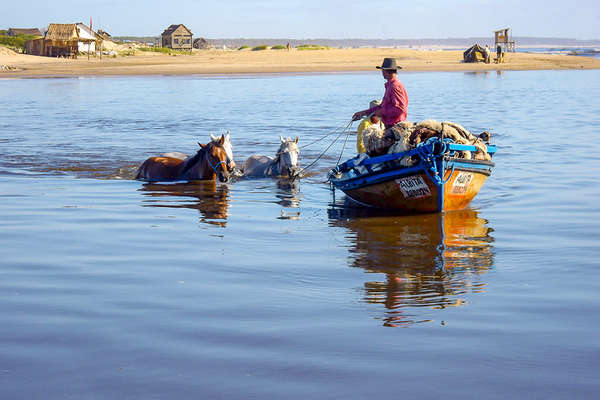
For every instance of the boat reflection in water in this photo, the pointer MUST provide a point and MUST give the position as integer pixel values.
(208, 197)
(429, 260)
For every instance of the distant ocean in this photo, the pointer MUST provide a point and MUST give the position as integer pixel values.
(570, 51)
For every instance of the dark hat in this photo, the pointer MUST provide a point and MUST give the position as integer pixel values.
(390, 64)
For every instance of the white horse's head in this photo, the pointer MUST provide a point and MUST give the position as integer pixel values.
(288, 154)
(228, 149)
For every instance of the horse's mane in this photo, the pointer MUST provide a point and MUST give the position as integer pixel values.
(198, 157)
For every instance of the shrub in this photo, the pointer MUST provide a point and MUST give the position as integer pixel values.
(261, 47)
(278, 47)
(164, 50)
(16, 43)
(312, 47)
(243, 47)
(125, 53)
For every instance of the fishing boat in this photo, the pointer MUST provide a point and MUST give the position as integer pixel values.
(437, 179)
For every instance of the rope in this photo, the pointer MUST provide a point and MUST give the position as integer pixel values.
(343, 147)
(329, 134)
(324, 151)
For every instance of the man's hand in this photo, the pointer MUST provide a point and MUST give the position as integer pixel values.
(358, 115)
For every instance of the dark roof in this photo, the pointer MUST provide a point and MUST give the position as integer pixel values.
(173, 28)
(25, 31)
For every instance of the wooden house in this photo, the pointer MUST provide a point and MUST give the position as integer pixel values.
(61, 40)
(24, 31)
(64, 40)
(177, 37)
(103, 34)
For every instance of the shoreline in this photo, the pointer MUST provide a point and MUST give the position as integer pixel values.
(246, 62)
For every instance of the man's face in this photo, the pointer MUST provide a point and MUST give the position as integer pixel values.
(387, 74)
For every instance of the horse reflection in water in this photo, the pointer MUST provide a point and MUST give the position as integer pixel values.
(428, 260)
(210, 199)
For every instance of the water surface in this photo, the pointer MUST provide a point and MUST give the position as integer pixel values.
(112, 288)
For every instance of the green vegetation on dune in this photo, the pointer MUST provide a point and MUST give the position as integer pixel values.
(164, 50)
(312, 47)
(261, 47)
(16, 43)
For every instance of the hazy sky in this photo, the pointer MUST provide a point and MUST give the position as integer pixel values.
(305, 19)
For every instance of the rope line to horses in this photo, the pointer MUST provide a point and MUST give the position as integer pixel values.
(326, 149)
(343, 147)
(329, 134)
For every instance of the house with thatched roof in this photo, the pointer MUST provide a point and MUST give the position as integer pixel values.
(64, 40)
(177, 37)
(24, 31)
(61, 40)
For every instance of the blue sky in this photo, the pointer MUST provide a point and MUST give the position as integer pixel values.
(305, 19)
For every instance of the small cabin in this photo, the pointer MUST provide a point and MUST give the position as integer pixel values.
(61, 40)
(177, 37)
(24, 31)
(503, 38)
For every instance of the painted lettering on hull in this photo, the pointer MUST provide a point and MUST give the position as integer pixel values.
(413, 187)
(462, 182)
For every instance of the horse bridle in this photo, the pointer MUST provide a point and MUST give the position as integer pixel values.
(204, 154)
(214, 167)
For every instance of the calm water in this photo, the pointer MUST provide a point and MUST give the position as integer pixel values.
(112, 288)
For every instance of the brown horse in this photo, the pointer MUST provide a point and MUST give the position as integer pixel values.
(210, 162)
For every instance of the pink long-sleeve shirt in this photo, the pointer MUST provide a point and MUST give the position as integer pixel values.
(394, 104)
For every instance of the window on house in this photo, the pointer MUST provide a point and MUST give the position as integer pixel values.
(176, 41)
(187, 41)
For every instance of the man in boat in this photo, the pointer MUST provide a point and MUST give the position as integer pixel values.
(394, 105)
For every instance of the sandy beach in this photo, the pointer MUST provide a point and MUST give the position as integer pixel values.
(223, 62)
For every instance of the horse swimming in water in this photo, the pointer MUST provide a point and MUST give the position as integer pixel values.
(209, 163)
(226, 145)
(285, 162)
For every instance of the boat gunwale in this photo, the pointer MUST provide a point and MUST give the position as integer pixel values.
(376, 177)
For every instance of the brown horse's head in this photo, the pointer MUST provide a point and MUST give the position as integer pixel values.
(216, 158)
(228, 149)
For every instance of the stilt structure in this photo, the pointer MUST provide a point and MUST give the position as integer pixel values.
(502, 37)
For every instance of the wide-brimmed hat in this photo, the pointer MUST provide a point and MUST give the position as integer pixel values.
(389, 64)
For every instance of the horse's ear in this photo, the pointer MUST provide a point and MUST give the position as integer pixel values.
(201, 145)
(222, 140)
(227, 135)
(296, 141)
(282, 139)
(213, 137)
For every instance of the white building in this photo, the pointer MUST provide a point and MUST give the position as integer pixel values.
(87, 39)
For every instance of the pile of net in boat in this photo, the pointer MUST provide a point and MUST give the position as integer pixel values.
(407, 135)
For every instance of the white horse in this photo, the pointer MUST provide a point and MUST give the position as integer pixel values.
(226, 145)
(285, 162)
